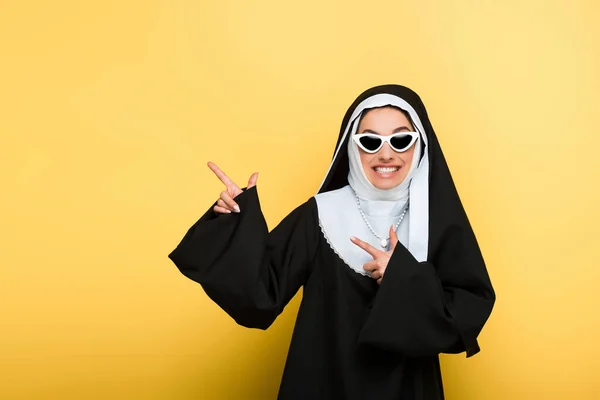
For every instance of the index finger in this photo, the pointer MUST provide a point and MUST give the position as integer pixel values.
(366, 247)
(220, 174)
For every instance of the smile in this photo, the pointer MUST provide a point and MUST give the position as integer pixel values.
(386, 170)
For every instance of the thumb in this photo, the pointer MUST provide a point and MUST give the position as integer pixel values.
(252, 180)
(393, 237)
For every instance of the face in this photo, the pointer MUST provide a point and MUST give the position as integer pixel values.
(386, 169)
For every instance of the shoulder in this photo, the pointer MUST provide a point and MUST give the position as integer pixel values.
(334, 195)
(330, 201)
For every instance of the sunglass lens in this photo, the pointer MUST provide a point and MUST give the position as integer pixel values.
(401, 142)
(370, 143)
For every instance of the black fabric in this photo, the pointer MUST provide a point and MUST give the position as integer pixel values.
(353, 338)
(251, 273)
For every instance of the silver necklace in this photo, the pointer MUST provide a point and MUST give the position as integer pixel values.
(384, 242)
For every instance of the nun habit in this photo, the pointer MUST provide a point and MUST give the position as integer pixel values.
(353, 338)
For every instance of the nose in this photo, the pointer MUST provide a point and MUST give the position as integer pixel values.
(385, 153)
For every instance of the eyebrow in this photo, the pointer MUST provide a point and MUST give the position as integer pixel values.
(399, 129)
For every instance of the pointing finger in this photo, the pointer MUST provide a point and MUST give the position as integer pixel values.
(221, 175)
(366, 247)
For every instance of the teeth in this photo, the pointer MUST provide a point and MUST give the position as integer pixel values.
(386, 170)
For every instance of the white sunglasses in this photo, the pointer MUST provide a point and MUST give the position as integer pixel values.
(399, 142)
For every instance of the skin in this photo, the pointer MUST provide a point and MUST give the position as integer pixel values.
(386, 121)
(380, 258)
(382, 121)
(226, 204)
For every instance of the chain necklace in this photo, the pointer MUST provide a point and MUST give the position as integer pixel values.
(384, 242)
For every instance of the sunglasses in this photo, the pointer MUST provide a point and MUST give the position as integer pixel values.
(399, 142)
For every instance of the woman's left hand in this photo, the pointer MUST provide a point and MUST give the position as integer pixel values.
(380, 257)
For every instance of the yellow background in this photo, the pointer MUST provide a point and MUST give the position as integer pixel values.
(109, 111)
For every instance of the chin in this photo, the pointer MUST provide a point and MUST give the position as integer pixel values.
(386, 184)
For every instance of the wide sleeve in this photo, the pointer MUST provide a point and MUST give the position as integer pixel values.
(424, 309)
(249, 272)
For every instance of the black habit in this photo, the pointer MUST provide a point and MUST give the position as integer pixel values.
(353, 339)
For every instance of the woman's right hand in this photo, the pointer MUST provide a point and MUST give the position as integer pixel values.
(226, 204)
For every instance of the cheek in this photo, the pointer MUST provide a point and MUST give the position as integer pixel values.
(365, 159)
(407, 156)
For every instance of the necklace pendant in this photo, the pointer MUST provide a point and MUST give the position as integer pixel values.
(384, 243)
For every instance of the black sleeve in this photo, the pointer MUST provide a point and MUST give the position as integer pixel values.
(422, 309)
(250, 273)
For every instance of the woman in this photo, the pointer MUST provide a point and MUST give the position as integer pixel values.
(392, 272)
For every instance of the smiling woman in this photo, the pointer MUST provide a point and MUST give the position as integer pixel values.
(388, 166)
(391, 270)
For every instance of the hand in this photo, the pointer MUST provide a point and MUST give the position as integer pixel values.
(225, 204)
(380, 258)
